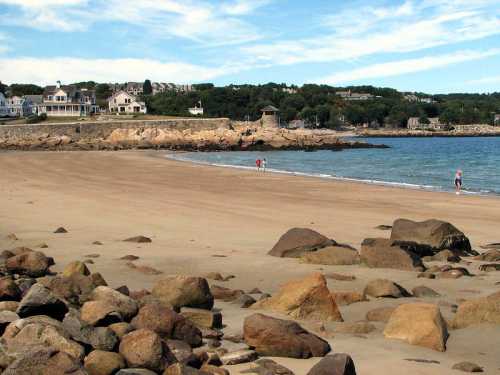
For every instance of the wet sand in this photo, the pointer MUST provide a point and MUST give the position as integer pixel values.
(193, 212)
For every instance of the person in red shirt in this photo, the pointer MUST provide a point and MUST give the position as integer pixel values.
(258, 163)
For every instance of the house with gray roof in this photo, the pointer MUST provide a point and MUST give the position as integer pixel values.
(67, 100)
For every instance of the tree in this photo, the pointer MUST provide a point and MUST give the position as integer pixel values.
(19, 89)
(102, 93)
(147, 89)
(3, 88)
(423, 119)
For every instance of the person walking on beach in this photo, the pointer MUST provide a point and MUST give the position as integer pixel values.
(258, 164)
(458, 181)
(264, 164)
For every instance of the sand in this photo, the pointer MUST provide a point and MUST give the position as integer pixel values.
(204, 219)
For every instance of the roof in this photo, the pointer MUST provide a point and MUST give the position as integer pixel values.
(269, 108)
(35, 99)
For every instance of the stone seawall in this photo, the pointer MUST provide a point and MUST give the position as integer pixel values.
(103, 129)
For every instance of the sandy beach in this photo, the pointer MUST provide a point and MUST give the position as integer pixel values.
(196, 214)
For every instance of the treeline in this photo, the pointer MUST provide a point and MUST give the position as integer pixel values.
(319, 105)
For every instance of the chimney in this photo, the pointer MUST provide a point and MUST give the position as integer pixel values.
(58, 84)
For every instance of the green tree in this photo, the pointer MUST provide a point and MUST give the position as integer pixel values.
(147, 89)
(20, 89)
(102, 93)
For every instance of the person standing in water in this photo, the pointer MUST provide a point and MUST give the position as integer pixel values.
(264, 164)
(258, 164)
(458, 181)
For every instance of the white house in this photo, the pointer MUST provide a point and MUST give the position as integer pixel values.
(18, 106)
(123, 102)
(67, 100)
(3, 107)
(197, 110)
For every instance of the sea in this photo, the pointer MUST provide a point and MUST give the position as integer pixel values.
(416, 163)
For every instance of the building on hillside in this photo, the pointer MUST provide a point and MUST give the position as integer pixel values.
(416, 99)
(3, 107)
(496, 119)
(434, 124)
(134, 88)
(354, 96)
(123, 102)
(269, 117)
(34, 102)
(67, 100)
(197, 110)
(18, 106)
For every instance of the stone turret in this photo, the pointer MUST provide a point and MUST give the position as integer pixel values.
(269, 117)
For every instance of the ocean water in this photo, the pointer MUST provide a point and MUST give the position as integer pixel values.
(419, 163)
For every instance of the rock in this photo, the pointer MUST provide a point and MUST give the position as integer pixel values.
(255, 291)
(93, 255)
(356, 328)
(7, 317)
(267, 366)
(44, 361)
(135, 371)
(453, 273)
(139, 239)
(43, 245)
(181, 369)
(308, 298)
(121, 329)
(298, 241)
(383, 253)
(184, 291)
(423, 291)
(183, 353)
(225, 294)
(435, 234)
(244, 301)
(383, 227)
(336, 364)
(467, 367)
(147, 270)
(33, 264)
(75, 267)
(426, 275)
(489, 256)
(9, 306)
(11, 237)
(282, 338)
(214, 370)
(419, 324)
(240, 356)
(98, 243)
(41, 301)
(347, 298)
(100, 313)
(9, 291)
(99, 338)
(61, 230)
(75, 289)
(340, 277)
(202, 318)
(332, 255)
(214, 276)
(88, 261)
(101, 362)
(143, 348)
(129, 257)
(380, 314)
(126, 306)
(492, 267)
(123, 289)
(20, 250)
(166, 323)
(444, 256)
(478, 311)
(384, 288)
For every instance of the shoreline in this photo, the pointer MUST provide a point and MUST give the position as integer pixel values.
(388, 184)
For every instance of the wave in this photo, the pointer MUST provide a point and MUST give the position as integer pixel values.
(405, 185)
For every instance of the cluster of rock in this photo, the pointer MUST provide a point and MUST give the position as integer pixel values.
(73, 323)
(222, 139)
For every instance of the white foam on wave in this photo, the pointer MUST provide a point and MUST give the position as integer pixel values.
(405, 185)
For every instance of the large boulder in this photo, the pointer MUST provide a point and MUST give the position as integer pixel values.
(419, 324)
(100, 313)
(166, 323)
(143, 349)
(384, 288)
(126, 306)
(434, 234)
(184, 291)
(336, 364)
(101, 362)
(75, 289)
(333, 256)
(75, 267)
(41, 301)
(308, 298)
(31, 263)
(383, 253)
(478, 311)
(299, 241)
(380, 314)
(9, 291)
(282, 338)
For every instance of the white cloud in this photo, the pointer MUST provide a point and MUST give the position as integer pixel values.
(45, 71)
(242, 7)
(406, 66)
(484, 81)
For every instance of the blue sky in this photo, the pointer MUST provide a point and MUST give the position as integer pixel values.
(432, 46)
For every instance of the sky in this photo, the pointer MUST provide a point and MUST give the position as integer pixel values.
(433, 46)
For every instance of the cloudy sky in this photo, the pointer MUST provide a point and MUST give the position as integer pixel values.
(428, 45)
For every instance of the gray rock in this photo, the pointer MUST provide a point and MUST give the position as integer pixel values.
(467, 367)
(336, 364)
(266, 366)
(240, 356)
(41, 301)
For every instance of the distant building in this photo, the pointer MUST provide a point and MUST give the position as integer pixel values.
(34, 101)
(434, 124)
(18, 106)
(496, 119)
(269, 117)
(134, 88)
(137, 88)
(353, 96)
(415, 99)
(197, 110)
(3, 107)
(67, 100)
(123, 102)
